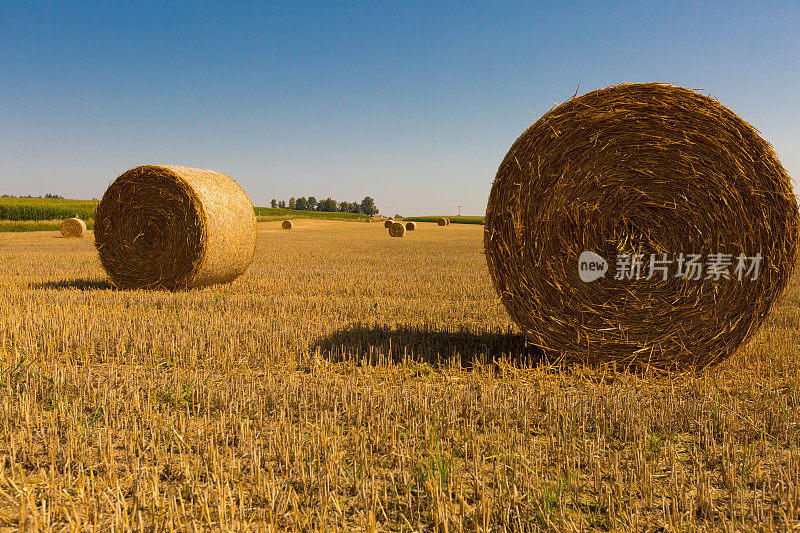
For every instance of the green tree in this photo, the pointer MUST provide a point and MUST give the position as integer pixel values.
(368, 206)
(312, 203)
(301, 204)
(292, 203)
(282, 204)
(328, 205)
(274, 203)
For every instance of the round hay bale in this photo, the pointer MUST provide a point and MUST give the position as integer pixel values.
(448, 221)
(410, 226)
(73, 227)
(287, 224)
(174, 227)
(442, 222)
(645, 169)
(397, 229)
(388, 223)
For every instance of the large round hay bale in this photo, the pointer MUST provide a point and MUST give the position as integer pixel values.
(73, 228)
(410, 226)
(287, 224)
(641, 169)
(397, 229)
(442, 222)
(388, 223)
(174, 227)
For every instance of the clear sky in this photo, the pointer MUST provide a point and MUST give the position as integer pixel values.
(413, 103)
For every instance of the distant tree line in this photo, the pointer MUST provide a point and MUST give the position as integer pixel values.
(48, 196)
(328, 205)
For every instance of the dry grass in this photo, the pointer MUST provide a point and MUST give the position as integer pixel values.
(328, 387)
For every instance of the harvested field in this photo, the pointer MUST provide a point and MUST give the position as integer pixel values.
(351, 380)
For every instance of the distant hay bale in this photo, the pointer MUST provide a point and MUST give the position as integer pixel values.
(287, 224)
(73, 228)
(645, 169)
(397, 229)
(174, 227)
(448, 221)
(388, 223)
(442, 222)
(410, 226)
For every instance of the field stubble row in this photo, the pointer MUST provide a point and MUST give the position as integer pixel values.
(356, 381)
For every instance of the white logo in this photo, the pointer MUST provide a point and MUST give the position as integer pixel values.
(716, 267)
(591, 266)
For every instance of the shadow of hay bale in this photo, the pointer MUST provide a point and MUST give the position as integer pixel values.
(459, 346)
(80, 284)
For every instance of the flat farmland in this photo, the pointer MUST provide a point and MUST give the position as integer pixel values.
(353, 381)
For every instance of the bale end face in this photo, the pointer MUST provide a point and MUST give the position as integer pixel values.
(397, 229)
(287, 224)
(442, 222)
(388, 223)
(650, 171)
(410, 226)
(73, 228)
(174, 227)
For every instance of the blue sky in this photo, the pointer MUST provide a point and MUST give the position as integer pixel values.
(413, 103)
